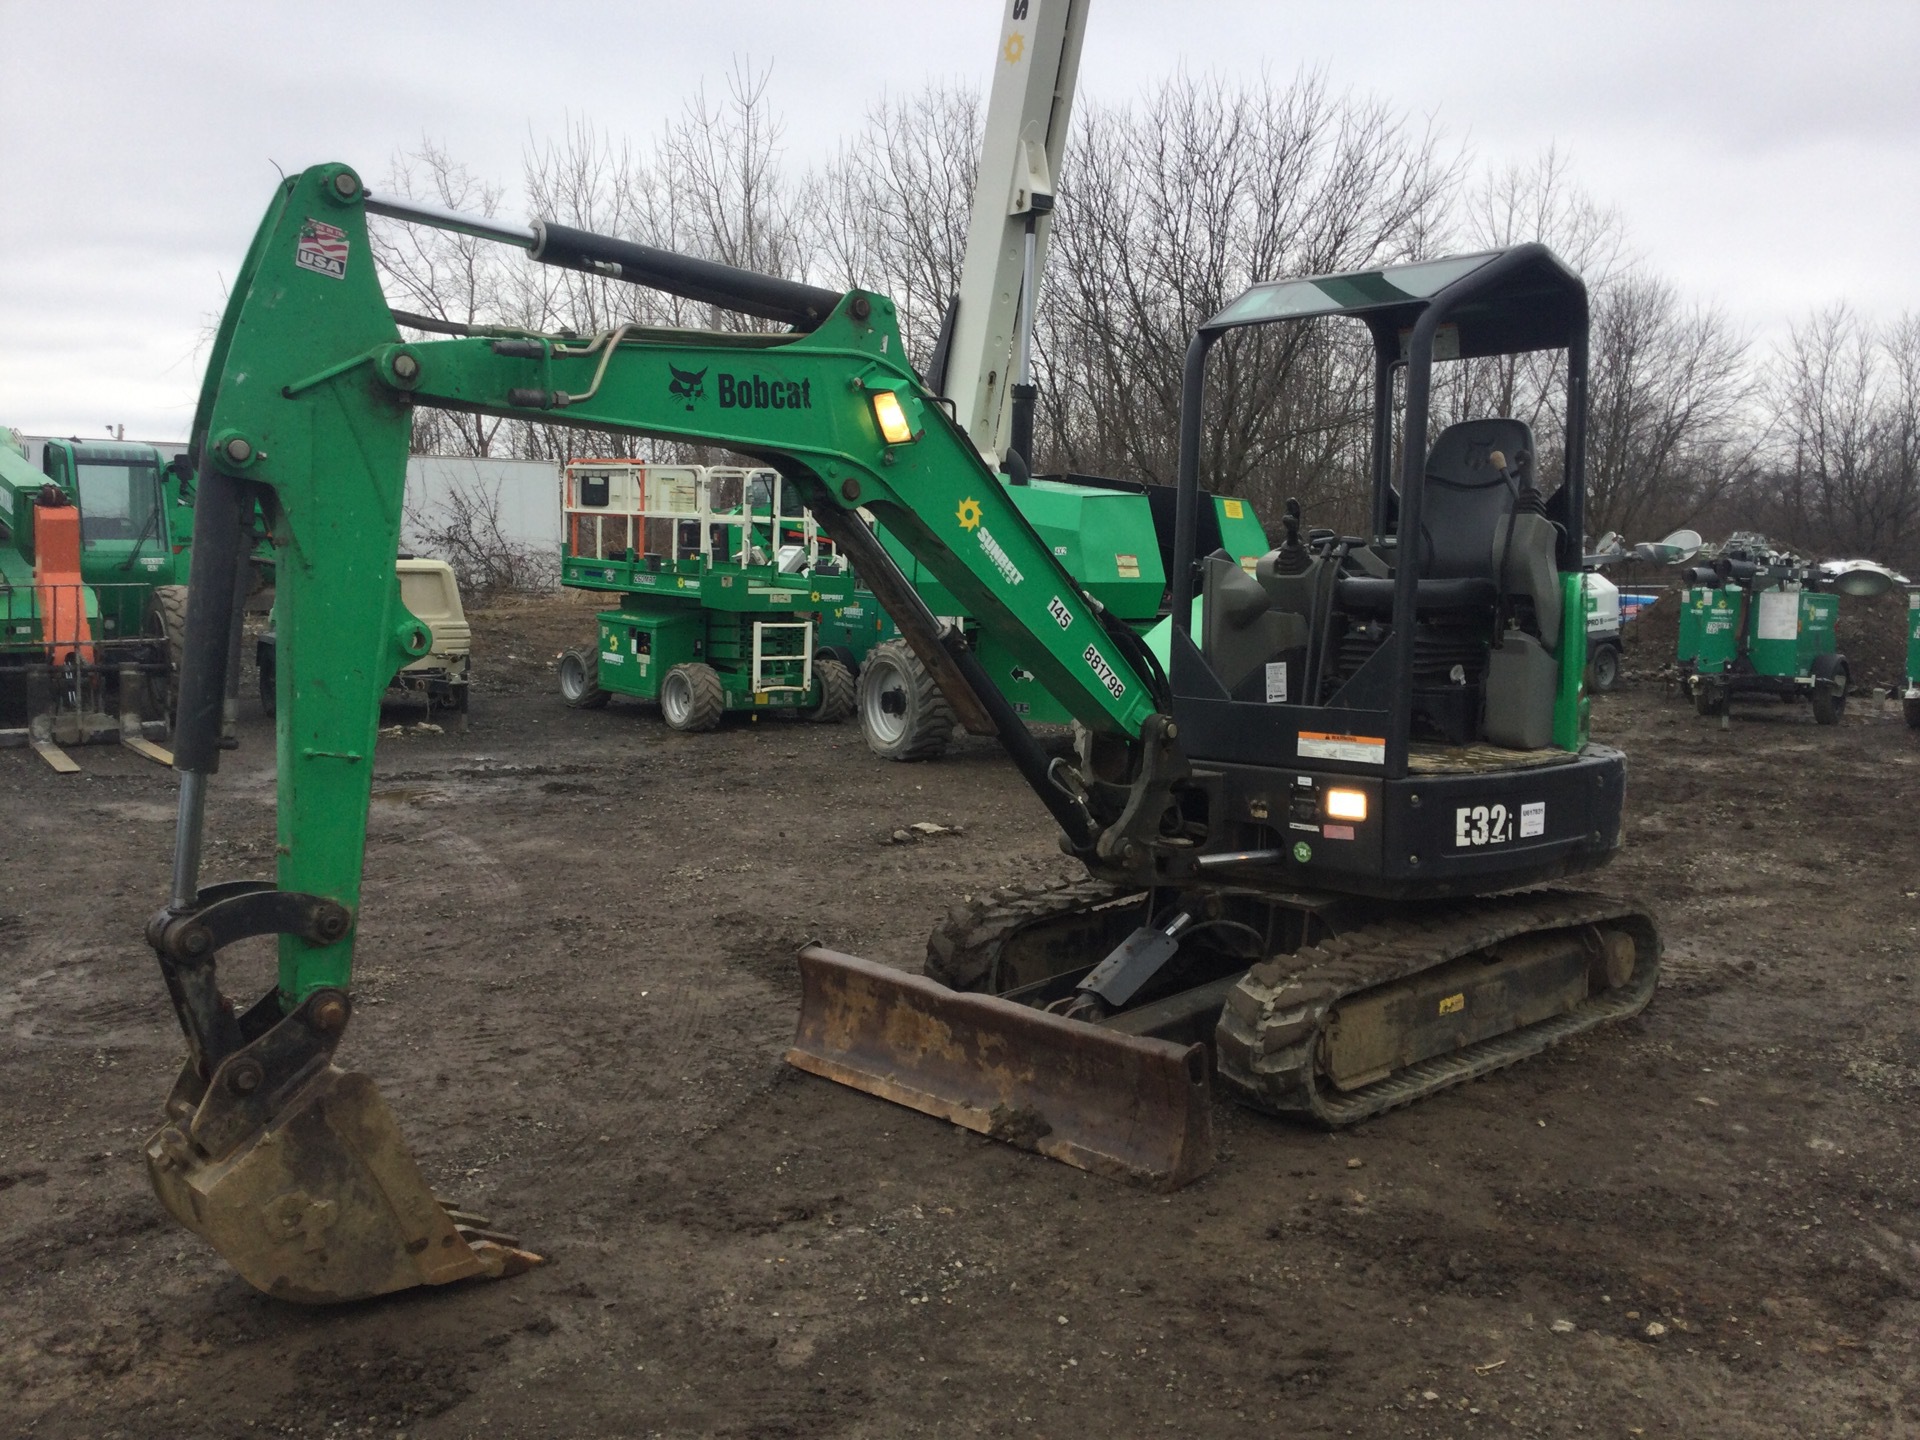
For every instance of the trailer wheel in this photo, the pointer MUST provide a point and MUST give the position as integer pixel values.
(837, 699)
(903, 715)
(1911, 709)
(580, 679)
(1830, 697)
(692, 698)
(166, 631)
(1604, 670)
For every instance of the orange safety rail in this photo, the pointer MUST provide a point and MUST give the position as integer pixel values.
(58, 586)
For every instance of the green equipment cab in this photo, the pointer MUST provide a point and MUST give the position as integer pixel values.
(722, 575)
(1758, 623)
(91, 654)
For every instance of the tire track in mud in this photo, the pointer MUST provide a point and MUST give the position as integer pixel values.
(58, 997)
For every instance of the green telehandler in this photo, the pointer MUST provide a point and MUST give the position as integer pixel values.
(92, 600)
(1308, 834)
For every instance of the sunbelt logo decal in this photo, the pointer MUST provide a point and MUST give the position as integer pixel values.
(969, 514)
(1001, 561)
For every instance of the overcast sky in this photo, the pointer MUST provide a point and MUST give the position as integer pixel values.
(1766, 157)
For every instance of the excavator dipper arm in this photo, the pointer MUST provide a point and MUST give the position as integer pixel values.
(292, 1167)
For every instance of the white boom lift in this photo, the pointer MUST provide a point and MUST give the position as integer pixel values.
(988, 370)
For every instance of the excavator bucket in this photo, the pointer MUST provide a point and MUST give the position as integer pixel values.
(323, 1202)
(1115, 1104)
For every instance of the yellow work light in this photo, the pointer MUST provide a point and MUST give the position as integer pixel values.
(893, 419)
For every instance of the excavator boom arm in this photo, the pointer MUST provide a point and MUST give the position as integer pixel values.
(308, 405)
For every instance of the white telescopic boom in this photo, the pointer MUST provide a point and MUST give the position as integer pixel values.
(1026, 130)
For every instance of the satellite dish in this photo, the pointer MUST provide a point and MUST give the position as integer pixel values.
(1860, 579)
(1678, 548)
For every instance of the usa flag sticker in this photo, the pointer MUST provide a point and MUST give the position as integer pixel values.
(322, 249)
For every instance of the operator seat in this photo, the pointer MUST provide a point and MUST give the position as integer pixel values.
(1466, 501)
(1484, 556)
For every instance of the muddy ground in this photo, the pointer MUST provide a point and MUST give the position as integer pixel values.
(576, 985)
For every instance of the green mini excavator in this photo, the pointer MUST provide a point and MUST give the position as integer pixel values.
(1319, 836)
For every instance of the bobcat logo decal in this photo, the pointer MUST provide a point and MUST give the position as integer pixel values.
(688, 385)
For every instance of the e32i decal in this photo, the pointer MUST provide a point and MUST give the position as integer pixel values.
(1475, 825)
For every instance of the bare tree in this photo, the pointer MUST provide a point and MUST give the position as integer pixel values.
(1846, 475)
(890, 213)
(443, 276)
(1670, 426)
(465, 529)
(1171, 207)
(1519, 203)
(711, 185)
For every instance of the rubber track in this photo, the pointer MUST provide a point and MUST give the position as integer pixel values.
(1269, 1034)
(963, 947)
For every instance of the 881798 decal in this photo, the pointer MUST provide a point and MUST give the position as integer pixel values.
(1476, 825)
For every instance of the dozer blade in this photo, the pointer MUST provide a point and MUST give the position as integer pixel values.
(1107, 1102)
(324, 1201)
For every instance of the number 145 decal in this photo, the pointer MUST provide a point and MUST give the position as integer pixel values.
(1497, 824)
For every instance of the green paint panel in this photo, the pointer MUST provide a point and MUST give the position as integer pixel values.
(1785, 630)
(638, 648)
(859, 623)
(1571, 706)
(1913, 637)
(1710, 628)
(1241, 533)
(1024, 692)
(1103, 538)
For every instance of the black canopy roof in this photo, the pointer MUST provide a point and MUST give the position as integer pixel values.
(1496, 301)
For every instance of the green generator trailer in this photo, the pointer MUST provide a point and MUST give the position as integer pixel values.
(1114, 537)
(1758, 623)
(1910, 692)
(723, 580)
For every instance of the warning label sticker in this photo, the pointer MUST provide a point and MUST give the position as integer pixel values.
(322, 249)
(1358, 749)
(1276, 682)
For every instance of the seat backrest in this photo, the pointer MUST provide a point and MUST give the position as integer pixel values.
(1466, 496)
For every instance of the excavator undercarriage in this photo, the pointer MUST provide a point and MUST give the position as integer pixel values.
(1345, 1012)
